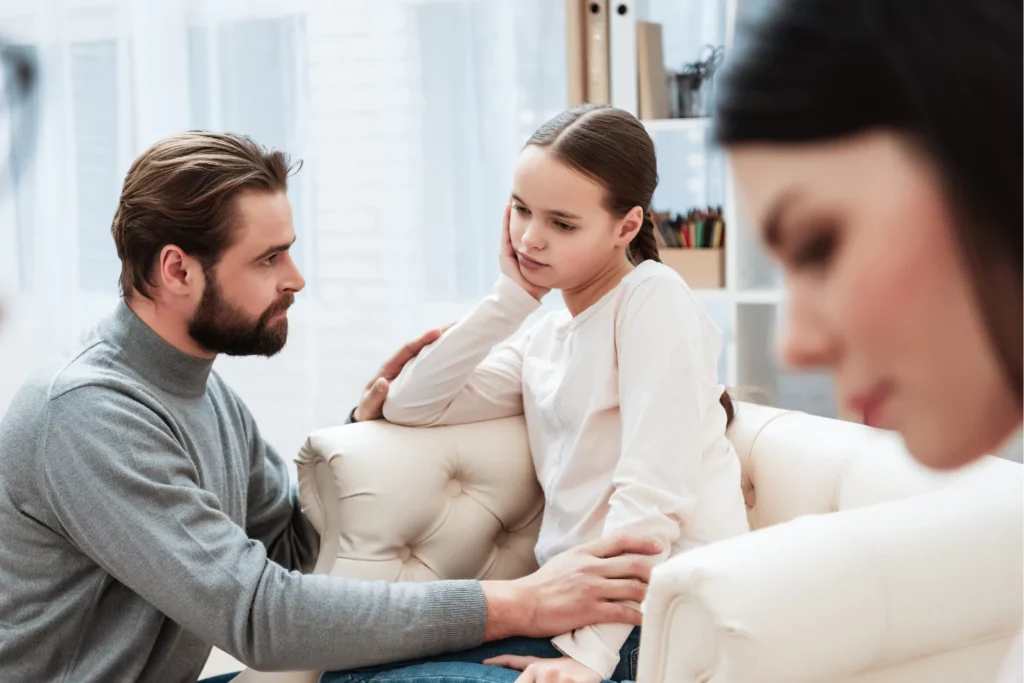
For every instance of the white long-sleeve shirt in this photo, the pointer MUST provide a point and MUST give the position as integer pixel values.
(622, 411)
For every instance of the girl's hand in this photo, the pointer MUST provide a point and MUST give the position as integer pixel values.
(510, 264)
(537, 670)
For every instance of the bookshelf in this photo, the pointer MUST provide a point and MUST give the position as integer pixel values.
(751, 305)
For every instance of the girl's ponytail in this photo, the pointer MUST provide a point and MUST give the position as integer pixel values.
(644, 246)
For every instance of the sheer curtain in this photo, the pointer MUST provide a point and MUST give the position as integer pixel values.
(408, 115)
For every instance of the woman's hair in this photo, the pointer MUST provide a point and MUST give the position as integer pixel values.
(945, 74)
(612, 147)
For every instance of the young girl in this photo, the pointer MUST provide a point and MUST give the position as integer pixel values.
(625, 415)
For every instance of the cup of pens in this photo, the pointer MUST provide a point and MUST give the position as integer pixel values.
(693, 244)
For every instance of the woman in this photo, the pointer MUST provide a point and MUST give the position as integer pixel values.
(877, 147)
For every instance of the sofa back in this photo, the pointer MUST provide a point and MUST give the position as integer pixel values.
(404, 504)
(797, 464)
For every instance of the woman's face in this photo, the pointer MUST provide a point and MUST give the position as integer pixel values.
(877, 292)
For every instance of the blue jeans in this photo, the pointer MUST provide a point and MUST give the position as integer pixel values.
(467, 667)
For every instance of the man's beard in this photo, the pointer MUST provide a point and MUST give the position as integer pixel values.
(219, 327)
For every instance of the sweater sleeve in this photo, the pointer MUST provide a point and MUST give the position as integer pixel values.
(667, 380)
(274, 516)
(127, 495)
(472, 373)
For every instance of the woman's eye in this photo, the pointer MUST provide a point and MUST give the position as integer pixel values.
(816, 251)
(521, 210)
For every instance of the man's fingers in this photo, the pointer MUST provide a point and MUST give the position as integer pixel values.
(622, 545)
(371, 407)
(511, 662)
(394, 365)
(626, 567)
(623, 590)
(615, 613)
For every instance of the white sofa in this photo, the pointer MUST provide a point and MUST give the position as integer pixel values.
(863, 566)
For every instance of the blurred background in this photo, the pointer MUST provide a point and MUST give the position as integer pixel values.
(408, 115)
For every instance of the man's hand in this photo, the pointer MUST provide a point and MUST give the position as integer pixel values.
(581, 587)
(371, 405)
(538, 670)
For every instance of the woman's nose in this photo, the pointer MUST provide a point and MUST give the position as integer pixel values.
(803, 339)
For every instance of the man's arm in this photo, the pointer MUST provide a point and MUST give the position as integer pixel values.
(128, 496)
(274, 516)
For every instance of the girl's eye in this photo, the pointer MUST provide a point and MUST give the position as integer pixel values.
(564, 226)
(521, 210)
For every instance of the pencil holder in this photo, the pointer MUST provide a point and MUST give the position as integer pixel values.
(701, 268)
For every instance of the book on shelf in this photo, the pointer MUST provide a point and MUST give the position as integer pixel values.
(575, 54)
(598, 68)
(652, 85)
(588, 76)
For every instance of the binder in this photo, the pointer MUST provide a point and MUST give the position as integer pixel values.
(575, 56)
(623, 54)
(650, 63)
(596, 26)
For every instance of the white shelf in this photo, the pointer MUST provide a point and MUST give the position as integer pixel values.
(699, 125)
(760, 296)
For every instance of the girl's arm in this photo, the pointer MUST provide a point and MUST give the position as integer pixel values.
(472, 373)
(668, 359)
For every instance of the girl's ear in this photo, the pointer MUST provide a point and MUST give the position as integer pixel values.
(630, 226)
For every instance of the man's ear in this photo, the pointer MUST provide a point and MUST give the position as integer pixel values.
(178, 273)
(630, 226)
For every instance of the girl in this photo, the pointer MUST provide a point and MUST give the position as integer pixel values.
(885, 176)
(625, 415)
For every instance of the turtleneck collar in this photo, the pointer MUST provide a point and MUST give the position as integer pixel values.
(160, 363)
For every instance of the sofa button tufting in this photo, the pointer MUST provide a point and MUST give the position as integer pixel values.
(501, 538)
(453, 488)
(404, 553)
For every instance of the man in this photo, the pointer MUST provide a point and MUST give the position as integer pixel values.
(145, 519)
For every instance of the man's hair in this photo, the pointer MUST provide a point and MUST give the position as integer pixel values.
(180, 192)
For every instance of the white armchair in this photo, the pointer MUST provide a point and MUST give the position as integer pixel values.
(863, 567)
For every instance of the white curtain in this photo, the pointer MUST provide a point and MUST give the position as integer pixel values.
(408, 114)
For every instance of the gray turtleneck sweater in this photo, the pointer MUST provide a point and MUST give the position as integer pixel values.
(143, 520)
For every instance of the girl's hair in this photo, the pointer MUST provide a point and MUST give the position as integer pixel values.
(612, 147)
(946, 75)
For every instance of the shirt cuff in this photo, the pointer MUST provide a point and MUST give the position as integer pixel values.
(510, 293)
(586, 647)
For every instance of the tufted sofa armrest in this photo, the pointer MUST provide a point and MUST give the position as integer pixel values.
(412, 504)
(930, 584)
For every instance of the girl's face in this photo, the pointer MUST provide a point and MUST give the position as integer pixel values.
(877, 291)
(564, 236)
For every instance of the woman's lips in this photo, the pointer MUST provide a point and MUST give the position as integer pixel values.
(871, 406)
(528, 263)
